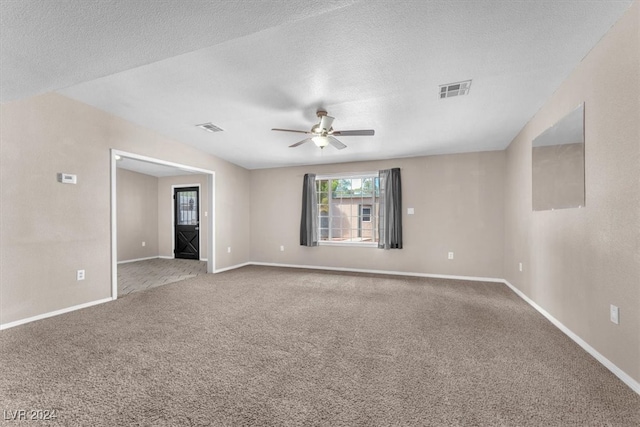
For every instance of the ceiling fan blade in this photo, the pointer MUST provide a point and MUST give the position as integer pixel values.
(300, 143)
(325, 122)
(364, 132)
(291, 130)
(339, 145)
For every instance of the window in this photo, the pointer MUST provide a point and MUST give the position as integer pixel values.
(187, 207)
(347, 209)
(365, 213)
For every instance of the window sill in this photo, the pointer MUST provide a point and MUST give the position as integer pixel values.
(353, 244)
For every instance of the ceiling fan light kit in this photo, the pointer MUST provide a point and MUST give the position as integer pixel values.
(320, 141)
(323, 133)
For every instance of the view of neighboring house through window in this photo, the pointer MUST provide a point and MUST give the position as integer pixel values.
(347, 209)
(365, 213)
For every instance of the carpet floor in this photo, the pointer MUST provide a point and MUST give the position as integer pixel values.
(272, 346)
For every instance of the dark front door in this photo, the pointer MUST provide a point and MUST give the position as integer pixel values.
(186, 203)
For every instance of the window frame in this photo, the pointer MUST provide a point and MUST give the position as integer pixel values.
(373, 220)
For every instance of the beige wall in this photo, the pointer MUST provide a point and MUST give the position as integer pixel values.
(458, 202)
(145, 206)
(137, 211)
(165, 208)
(50, 230)
(579, 261)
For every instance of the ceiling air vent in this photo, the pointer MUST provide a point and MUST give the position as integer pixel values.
(454, 89)
(210, 127)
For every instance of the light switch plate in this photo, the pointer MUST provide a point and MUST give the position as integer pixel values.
(410, 211)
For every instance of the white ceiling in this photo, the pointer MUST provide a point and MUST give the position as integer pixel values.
(250, 66)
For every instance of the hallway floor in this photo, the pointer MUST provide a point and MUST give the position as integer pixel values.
(141, 275)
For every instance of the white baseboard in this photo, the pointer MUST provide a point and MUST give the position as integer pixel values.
(624, 377)
(137, 259)
(388, 272)
(53, 313)
(233, 267)
(165, 257)
(204, 259)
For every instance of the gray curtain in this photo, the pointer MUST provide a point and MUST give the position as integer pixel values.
(390, 209)
(309, 219)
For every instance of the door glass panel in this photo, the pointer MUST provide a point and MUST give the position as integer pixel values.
(187, 208)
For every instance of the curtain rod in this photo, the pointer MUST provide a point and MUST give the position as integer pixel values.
(346, 174)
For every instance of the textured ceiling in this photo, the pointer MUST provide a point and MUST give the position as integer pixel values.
(250, 66)
(52, 44)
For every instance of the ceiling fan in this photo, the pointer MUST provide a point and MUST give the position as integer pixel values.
(323, 133)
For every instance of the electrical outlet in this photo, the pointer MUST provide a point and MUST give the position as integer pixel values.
(80, 275)
(229, 250)
(450, 255)
(144, 244)
(520, 266)
(281, 248)
(614, 314)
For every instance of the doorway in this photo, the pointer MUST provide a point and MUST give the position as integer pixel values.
(186, 208)
(152, 165)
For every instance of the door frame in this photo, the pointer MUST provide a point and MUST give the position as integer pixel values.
(173, 220)
(211, 235)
